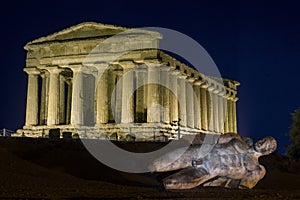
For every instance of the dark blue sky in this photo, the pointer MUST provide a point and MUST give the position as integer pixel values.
(254, 42)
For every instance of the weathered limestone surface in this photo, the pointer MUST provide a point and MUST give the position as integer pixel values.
(190, 103)
(173, 96)
(54, 94)
(182, 102)
(102, 99)
(100, 86)
(141, 94)
(32, 100)
(127, 99)
(197, 106)
(76, 104)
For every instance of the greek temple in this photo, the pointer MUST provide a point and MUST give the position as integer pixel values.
(92, 81)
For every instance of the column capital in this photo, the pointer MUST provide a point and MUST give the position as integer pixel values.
(44, 73)
(126, 64)
(204, 85)
(174, 72)
(198, 82)
(182, 76)
(230, 98)
(32, 71)
(99, 65)
(222, 93)
(216, 90)
(235, 99)
(231, 95)
(89, 70)
(165, 68)
(153, 67)
(227, 95)
(75, 68)
(191, 79)
(211, 88)
(54, 70)
(141, 68)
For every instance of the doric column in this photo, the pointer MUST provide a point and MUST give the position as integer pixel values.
(32, 97)
(62, 114)
(53, 103)
(102, 99)
(221, 112)
(204, 106)
(127, 92)
(69, 100)
(215, 108)
(232, 121)
(226, 113)
(190, 102)
(44, 99)
(197, 104)
(89, 79)
(181, 93)
(173, 95)
(165, 97)
(210, 113)
(141, 94)
(118, 89)
(229, 115)
(234, 114)
(111, 79)
(76, 105)
(153, 96)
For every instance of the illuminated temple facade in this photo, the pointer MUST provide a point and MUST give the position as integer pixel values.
(77, 89)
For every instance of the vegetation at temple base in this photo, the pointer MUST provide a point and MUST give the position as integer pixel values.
(293, 149)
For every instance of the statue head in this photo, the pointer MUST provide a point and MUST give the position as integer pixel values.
(266, 145)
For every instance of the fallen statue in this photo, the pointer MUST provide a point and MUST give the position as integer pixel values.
(232, 162)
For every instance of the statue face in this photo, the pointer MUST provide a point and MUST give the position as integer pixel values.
(266, 145)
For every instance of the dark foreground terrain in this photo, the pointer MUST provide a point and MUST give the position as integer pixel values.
(63, 169)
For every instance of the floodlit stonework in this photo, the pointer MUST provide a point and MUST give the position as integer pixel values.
(66, 92)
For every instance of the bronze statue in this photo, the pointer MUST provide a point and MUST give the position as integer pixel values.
(232, 162)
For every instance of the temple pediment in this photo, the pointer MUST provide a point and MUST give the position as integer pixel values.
(93, 30)
(81, 31)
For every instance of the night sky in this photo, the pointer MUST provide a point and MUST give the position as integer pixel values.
(254, 42)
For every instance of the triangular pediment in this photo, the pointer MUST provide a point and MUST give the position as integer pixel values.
(81, 31)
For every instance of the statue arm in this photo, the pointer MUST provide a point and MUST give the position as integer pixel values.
(233, 136)
(228, 137)
(223, 182)
(252, 177)
(248, 141)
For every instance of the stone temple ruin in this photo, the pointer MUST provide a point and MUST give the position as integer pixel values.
(75, 88)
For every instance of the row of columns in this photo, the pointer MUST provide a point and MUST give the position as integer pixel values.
(52, 107)
(194, 103)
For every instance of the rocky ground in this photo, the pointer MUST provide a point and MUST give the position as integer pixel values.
(63, 169)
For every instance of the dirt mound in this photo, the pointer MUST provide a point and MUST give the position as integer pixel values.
(42, 168)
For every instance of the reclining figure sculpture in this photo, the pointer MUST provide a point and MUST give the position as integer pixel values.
(232, 163)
